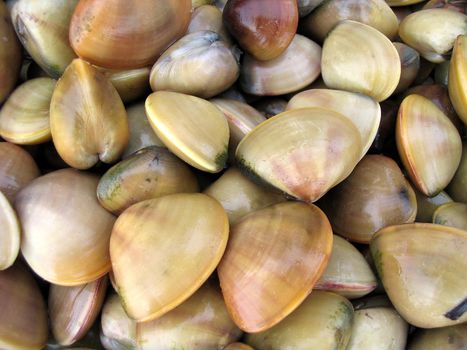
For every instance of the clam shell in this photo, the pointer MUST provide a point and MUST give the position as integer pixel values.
(164, 249)
(24, 118)
(208, 17)
(458, 186)
(149, 173)
(362, 110)
(303, 152)
(403, 2)
(371, 65)
(297, 67)
(442, 73)
(426, 206)
(87, 117)
(410, 64)
(23, 320)
(271, 106)
(73, 310)
(238, 346)
(428, 143)
(192, 128)
(374, 196)
(422, 268)
(323, 321)
(446, 338)
(239, 195)
(274, 258)
(9, 234)
(117, 34)
(457, 84)
(451, 214)
(347, 272)
(65, 231)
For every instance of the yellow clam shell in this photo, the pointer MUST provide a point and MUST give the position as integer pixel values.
(457, 81)
(9, 234)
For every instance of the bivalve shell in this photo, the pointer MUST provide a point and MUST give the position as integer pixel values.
(451, 214)
(446, 338)
(9, 234)
(457, 81)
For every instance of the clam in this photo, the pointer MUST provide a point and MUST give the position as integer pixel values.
(23, 320)
(240, 196)
(457, 186)
(198, 3)
(451, 214)
(375, 13)
(270, 106)
(241, 117)
(376, 328)
(424, 72)
(426, 206)
(24, 118)
(192, 128)
(209, 17)
(302, 152)
(42, 27)
(323, 321)
(410, 64)
(164, 249)
(149, 173)
(347, 272)
(274, 258)
(363, 111)
(9, 235)
(87, 117)
(374, 196)
(358, 58)
(10, 54)
(428, 143)
(297, 67)
(17, 169)
(65, 231)
(457, 84)
(116, 34)
(422, 268)
(403, 2)
(306, 6)
(440, 30)
(73, 310)
(263, 28)
(446, 338)
(455, 5)
(178, 69)
(200, 323)
(442, 73)
(141, 133)
(238, 346)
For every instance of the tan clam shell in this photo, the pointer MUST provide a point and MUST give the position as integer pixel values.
(141, 133)
(149, 173)
(428, 143)
(208, 17)
(323, 321)
(9, 234)
(306, 6)
(410, 64)
(422, 268)
(164, 249)
(426, 206)
(446, 338)
(347, 273)
(23, 320)
(192, 128)
(440, 30)
(403, 2)
(457, 186)
(274, 258)
(87, 117)
(17, 169)
(375, 13)
(345, 62)
(239, 195)
(458, 76)
(303, 152)
(271, 106)
(362, 110)
(451, 214)
(297, 67)
(73, 310)
(238, 346)
(374, 196)
(65, 231)
(42, 27)
(24, 118)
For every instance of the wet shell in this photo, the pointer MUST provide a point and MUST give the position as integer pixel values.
(274, 257)
(358, 58)
(9, 234)
(446, 338)
(209, 17)
(451, 214)
(457, 81)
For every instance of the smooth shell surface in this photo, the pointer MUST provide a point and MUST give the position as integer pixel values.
(457, 81)
(87, 117)
(192, 128)
(428, 143)
(117, 34)
(410, 65)
(323, 321)
(446, 338)
(458, 186)
(274, 258)
(164, 249)
(426, 206)
(238, 346)
(451, 214)
(303, 152)
(65, 231)
(9, 234)
(24, 118)
(209, 17)
(422, 268)
(358, 58)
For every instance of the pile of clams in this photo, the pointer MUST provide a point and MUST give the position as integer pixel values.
(233, 174)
